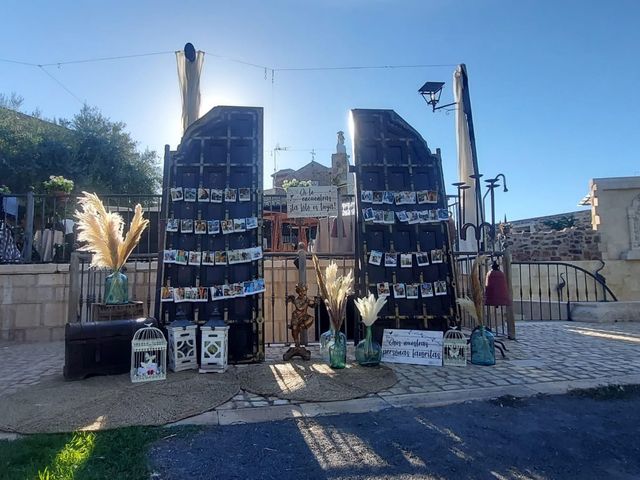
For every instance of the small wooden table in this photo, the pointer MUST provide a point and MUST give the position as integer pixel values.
(103, 312)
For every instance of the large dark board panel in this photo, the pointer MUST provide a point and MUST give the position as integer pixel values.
(222, 150)
(390, 155)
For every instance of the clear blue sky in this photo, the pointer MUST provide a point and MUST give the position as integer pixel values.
(554, 85)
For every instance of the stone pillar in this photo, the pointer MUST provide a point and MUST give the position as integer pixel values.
(615, 214)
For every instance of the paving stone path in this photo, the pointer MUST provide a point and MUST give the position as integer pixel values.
(545, 352)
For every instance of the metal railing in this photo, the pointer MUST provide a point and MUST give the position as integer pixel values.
(545, 290)
(43, 226)
(541, 291)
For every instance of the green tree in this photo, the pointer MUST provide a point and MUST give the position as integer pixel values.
(560, 223)
(97, 154)
(294, 182)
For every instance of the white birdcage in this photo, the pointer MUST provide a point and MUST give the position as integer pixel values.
(148, 355)
(182, 345)
(213, 348)
(455, 349)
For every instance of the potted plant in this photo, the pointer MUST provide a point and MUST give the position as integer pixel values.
(58, 185)
(102, 232)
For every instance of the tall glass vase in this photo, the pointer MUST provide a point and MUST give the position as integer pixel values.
(116, 289)
(338, 350)
(325, 340)
(368, 351)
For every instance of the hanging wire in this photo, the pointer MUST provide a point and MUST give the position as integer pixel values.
(61, 84)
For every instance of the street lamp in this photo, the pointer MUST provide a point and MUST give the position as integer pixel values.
(431, 92)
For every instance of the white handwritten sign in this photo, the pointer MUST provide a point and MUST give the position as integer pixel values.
(421, 347)
(303, 202)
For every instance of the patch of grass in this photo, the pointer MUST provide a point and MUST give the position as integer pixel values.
(111, 454)
(608, 392)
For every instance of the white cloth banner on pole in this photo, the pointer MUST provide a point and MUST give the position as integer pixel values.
(189, 78)
(465, 164)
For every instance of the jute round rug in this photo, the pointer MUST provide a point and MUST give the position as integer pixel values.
(107, 402)
(314, 381)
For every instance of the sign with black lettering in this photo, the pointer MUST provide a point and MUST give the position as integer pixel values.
(304, 202)
(420, 347)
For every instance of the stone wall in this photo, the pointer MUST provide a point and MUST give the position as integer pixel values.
(574, 244)
(33, 302)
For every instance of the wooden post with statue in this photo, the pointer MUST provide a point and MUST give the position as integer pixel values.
(301, 320)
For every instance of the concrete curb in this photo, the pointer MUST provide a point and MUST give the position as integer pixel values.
(377, 403)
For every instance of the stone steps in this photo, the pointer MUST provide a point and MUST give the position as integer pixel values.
(605, 312)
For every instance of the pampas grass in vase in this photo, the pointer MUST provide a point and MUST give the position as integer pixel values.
(369, 352)
(102, 233)
(482, 341)
(335, 290)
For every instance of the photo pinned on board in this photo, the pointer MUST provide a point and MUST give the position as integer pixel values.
(377, 198)
(208, 258)
(200, 227)
(440, 287)
(378, 216)
(203, 194)
(190, 194)
(216, 292)
(412, 290)
(166, 294)
(437, 256)
(422, 258)
(213, 227)
(239, 225)
(426, 289)
(195, 257)
(421, 197)
(173, 224)
(244, 194)
(375, 257)
(230, 194)
(252, 222)
(179, 294)
(186, 225)
(388, 198)
(169, 256)
(177, 194)
(227, 226)
(406, 260)
(389, 217)
(217, 195)
(399, 290)
(383, 289)
(390, 259)
(443, 214)
(181, 257)
(366, 196)
(402, 216)
(220, 257)
(368, 215)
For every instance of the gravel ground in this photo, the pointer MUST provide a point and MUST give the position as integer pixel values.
(555, 437)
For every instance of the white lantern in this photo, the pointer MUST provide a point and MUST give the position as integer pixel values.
(455, 349)
(213, 348)
(182, 345)
(148, 355)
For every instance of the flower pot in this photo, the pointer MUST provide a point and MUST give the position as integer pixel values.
(116, 289)
(368, 351)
